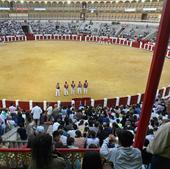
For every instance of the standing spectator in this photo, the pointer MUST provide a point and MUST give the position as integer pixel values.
(123, 156)
(20, 119)
(85, 87)
(57, 89)
(36, 111)
(12, 111)
(66, 88)
(79, 88)
(160, 148)
(42, 157)
(49, 112)
(73, 87)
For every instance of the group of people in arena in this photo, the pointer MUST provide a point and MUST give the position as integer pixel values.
(110, 129)
(81, 88)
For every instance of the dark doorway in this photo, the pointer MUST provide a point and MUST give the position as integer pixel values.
(144, 16)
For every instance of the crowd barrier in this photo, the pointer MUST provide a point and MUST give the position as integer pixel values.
(127, 100)
(13, 38)
(20, 158)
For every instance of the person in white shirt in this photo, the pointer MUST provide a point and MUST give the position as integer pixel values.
(36, 112)
(85, 86)
(57, 89)
(79, 88)
(12, 111)
(66, 88)
(73, 87)
(49, 111)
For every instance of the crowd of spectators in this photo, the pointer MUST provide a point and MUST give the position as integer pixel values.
(10, 27)
(84, 127)
(129, 31)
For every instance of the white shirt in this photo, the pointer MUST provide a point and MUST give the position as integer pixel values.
(92, 141)
(63, 139)
(36, 111)
(12, 109)
(72, 133)
(49, 110)
(55, 126)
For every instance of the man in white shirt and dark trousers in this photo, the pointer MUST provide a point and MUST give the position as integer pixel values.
(36, 112)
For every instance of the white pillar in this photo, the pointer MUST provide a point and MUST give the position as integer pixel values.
(151, 48)
(30, 104)
(116, 40)
(167, 54)
(169, 90)
(148, 47)
(58, 103)
(139, 98)
(157, 92)
(4, 103)
(72, 102)
(85, 38)
(80, 38)
(119, 41)
(16, 102)
(117, 101)
(45, 105)
(105, 102)
(164, 90)
(131, 44)
(128, 100)
(123, 42)
(92, 102)
(35, 37)
(144, 46)
(140, 45)
(25, 38)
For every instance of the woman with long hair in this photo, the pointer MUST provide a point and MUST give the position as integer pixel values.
(42, 157)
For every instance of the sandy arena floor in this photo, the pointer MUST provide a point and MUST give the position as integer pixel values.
(30, 70)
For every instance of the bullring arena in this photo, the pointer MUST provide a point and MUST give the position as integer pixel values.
(30, 70)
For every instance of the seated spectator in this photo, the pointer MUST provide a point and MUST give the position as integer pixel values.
(70, 142)
(79, 140)
(92, 160)
(92, 139)
(56, 140)
(42, 157)
(123, 156)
